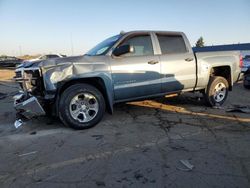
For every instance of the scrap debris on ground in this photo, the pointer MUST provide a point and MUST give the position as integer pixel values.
(239, 108)
(187, 166)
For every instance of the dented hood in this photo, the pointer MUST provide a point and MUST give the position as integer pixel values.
(59, 70)
(60, 61)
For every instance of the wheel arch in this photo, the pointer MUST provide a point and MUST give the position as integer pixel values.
(223, 71)
(97, 82)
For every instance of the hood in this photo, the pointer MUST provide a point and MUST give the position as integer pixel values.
(27, 64)
(61, 61)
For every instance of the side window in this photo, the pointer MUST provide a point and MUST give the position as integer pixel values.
(142, 45)
(171, 44)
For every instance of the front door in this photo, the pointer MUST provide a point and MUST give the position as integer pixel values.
(136, 74)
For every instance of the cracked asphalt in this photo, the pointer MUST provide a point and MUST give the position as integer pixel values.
(140, 145)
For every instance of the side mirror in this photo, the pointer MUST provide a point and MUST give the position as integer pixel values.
(121, 50)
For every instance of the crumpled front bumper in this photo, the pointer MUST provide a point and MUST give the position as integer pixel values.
(28, 106)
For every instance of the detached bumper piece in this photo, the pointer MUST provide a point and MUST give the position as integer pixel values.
(29, 107)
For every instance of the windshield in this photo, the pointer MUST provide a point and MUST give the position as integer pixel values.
(104, 46)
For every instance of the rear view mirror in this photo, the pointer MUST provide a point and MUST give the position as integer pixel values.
(121, 50)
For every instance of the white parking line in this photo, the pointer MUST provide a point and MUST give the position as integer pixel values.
(25, 154)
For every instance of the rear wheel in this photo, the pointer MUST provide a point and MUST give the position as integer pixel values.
(217, 91)
(81, 106)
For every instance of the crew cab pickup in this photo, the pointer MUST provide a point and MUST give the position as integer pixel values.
(129, 66)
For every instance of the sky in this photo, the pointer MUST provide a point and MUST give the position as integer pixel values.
(72, 27)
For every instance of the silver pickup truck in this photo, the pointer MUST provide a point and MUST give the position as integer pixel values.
(129, 66)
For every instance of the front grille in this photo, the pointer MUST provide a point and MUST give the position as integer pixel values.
(30, 80)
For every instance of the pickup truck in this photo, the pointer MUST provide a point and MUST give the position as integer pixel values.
(126, 67)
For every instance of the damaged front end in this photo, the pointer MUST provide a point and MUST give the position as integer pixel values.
(43, 82)
(25, 102)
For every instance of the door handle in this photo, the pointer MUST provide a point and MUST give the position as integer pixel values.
(153, 62)
(189, 59)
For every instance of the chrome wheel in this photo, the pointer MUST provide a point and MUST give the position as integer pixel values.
(84, 107)
(220, 92)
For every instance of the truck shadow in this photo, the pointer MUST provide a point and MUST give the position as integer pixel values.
(179, 108)
(183, 99)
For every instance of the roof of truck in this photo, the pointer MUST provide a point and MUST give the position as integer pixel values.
(146, 31)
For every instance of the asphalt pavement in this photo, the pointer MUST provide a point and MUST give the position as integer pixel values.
(164, 142)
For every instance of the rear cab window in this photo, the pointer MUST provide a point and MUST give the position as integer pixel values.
(171, 44)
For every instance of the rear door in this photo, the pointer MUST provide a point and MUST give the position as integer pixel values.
(136, 74)
(178, 64)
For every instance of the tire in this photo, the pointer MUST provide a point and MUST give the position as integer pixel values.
(81, 106)
(246, 83)
(221, 85)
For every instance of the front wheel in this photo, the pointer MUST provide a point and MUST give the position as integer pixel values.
(217, 91)
(81, 106)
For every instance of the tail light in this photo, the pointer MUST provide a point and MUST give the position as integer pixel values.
(241, 61)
